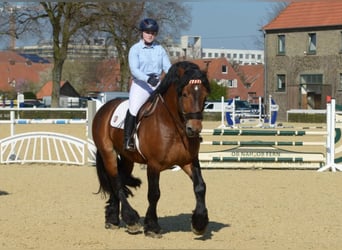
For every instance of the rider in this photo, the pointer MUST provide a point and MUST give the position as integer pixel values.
(147, 61)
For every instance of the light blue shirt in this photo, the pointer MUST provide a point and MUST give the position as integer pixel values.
(144, 60)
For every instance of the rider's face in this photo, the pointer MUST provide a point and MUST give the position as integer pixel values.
(149, 36)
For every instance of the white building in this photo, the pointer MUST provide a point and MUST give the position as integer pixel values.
(191, 48)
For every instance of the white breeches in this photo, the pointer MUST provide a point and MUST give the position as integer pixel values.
(138, 95)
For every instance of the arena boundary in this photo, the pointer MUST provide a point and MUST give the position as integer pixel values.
(240, 152)
(281, 150)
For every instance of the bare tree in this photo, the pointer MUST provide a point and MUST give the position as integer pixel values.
(272, 12)
(121, 20)
(70, 20)
(64, 20)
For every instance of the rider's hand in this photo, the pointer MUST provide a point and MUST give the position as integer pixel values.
(153, 80)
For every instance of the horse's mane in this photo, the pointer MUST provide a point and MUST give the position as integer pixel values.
(191, 71)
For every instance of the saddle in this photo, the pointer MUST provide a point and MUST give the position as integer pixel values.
(119, 115)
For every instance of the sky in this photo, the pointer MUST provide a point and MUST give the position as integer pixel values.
(229, 24)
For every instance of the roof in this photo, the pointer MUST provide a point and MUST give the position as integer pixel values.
(308, 14)
(252, 74)
(15, 71)
(66, 89)
(34, 58)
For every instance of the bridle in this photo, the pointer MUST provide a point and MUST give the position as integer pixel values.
(196, 115)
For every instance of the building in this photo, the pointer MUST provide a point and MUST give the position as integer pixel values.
(17, 71)
(190, 47)
(303, 55)
(245, 82)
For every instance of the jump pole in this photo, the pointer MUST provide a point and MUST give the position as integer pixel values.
(331, 119)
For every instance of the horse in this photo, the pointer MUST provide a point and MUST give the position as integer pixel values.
(167, 135)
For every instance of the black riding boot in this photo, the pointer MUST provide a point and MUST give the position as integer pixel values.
(128, 130)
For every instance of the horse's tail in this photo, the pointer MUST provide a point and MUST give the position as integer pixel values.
(104, 178)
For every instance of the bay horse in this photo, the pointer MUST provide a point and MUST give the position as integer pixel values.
(168, 135)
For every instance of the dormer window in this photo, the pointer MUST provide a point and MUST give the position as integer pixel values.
(224, 69)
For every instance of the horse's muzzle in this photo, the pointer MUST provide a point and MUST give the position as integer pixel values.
(193, 128)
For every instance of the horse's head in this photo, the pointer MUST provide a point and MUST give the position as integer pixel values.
(192, 93)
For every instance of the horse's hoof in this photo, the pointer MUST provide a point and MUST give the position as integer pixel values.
(111, 226)
(153, 234)
(134, 229)
(198, 232)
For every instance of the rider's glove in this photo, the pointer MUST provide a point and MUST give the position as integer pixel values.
(153, 80)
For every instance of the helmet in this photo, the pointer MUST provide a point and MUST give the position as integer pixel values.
(149, 24)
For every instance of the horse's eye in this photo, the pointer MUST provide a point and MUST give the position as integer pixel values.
(185, 95)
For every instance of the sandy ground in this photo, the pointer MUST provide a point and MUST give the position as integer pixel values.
(54, 207)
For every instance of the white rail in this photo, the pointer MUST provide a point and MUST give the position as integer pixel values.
(42, 147)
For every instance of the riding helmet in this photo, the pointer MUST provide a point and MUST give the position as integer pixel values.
(149, 24)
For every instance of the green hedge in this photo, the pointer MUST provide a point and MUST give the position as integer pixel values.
(307, 118)
(44, 114)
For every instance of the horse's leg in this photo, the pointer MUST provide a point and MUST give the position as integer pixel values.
(112, 212)
(200, 214)
(128, 214)
(151, 226)
(112, 208)
(118, 192)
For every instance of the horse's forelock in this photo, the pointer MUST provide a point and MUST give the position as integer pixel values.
(181, 73)
(193, 73)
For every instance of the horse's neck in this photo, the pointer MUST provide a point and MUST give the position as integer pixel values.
(170, 99)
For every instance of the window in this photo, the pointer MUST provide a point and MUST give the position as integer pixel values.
(316, 79)
(312, 43)
(234, 55)
(222, 54)
(232, 83)
(281, 83)
(281, 44)
(224, 69)
(216, 55)
(209, 54)
(241, 56)
(229, 55)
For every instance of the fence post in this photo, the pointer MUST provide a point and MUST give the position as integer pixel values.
(90, 115)
(331, 119)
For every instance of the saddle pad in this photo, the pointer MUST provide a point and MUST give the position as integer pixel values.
(118, 118)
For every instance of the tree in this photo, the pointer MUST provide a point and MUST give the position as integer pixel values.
(272, 12)
(65, 20)
(217, 91)
(121, 20)
(71, 20)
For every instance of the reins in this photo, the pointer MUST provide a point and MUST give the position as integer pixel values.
(177, 123)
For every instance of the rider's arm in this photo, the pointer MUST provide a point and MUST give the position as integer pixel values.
(133, 61)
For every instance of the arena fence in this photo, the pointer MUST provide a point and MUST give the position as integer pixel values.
(306, 148)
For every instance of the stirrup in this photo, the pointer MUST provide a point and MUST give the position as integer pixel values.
(129, 145)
